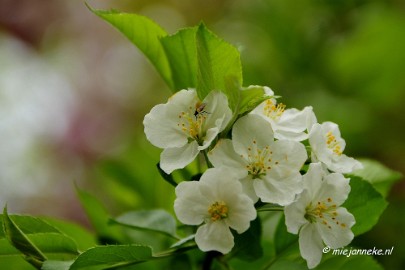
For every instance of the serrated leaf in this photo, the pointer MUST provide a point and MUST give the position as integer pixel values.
(143, 33)
(381, 177)
(181, 53)
(38, 242)
(111, 257)
(20, 241)
(217, 60)
(158, 221)
(250, 98)
(365, 203)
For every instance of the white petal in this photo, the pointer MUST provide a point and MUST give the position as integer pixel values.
(311, 245)
(313, 179)
(161, 127)
(295, 213)
(248, 188)
(345, 164)
(218, 112)
(214, 236)
(280, 191)
(288, 157)
(248, 129)
(339, 233)
(190, 207)
(210, 135)
(223, 154)
(241, 212)
(335, 187)
(177, 158)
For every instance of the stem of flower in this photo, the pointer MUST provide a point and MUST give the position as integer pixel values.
(207, 161)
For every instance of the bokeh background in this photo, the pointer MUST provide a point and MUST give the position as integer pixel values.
(74, 91)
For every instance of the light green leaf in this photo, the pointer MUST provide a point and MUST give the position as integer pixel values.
(19, 240)
(37, 242)
(217, 60)
(99, 218)
(365, 203)
(158, 221)
(83, 238)
(381, 177)
(181, 53)
(112, 257)
(282, 238)
(250, 98)
(56, 265)
(143, 33)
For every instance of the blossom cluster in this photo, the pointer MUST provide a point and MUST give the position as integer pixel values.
(271, 154)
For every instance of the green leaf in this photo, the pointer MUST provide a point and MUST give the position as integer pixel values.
(83, 238)
(181, 53)
(99, 218)
(217, 60)
(348, 263)
(247, 245)
(158, 221)
(143, 33)
(19, 240)
(381, 177)
(111, 257)
(56, 265)
(282, 238)
(365, 203)
(34, 238)
(250, 98)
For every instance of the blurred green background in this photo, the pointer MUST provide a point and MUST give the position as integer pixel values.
(73, 94)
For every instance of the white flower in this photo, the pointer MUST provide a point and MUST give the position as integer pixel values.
(217, 201)
(268, 169)
(290, 124)
(327, 147)
(317, 214)
(185, 125)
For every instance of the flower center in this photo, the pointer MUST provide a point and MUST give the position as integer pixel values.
(322, 211)
(218, 211)
(333, 144)
(273, 111)
(192, 121)
(259, 161)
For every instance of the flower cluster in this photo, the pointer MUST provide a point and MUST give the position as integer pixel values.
(250, 157)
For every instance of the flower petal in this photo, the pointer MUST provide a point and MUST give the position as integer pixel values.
(280, 191)
(251, 130)
(218, 112)
(177, 158)
(337, 233)
(311, 245)
(345, 164)
(190, 206)
(214, 236)
(223, 154)
(161, 129)
(295, 213)
(288, 157)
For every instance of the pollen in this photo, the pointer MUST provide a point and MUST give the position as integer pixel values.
(191, 121)
(218, 211)
(333, 144)
(273, 110)
(323, 211)
(259, 160)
